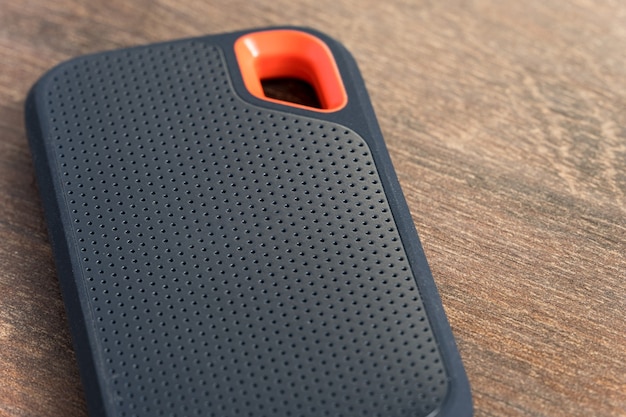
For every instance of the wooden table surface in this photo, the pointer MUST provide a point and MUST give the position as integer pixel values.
(506, 121)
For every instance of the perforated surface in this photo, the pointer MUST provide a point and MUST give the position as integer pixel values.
(240, 261)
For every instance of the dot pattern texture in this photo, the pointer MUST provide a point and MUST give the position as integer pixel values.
(239, 261)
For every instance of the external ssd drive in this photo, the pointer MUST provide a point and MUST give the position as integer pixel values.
(226, 251)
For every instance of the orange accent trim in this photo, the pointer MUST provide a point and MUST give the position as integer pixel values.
(295, 54)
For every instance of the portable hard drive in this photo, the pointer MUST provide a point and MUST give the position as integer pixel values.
(226, 250)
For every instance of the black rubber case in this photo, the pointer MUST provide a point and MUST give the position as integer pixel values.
(222, 255)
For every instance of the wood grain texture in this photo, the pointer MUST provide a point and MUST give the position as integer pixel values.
(506, 122)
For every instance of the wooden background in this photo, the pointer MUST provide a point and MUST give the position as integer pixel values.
(506, 121)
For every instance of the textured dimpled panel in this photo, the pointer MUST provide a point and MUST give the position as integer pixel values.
(239, 261)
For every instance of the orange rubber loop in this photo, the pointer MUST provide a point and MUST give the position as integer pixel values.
(290, 54)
